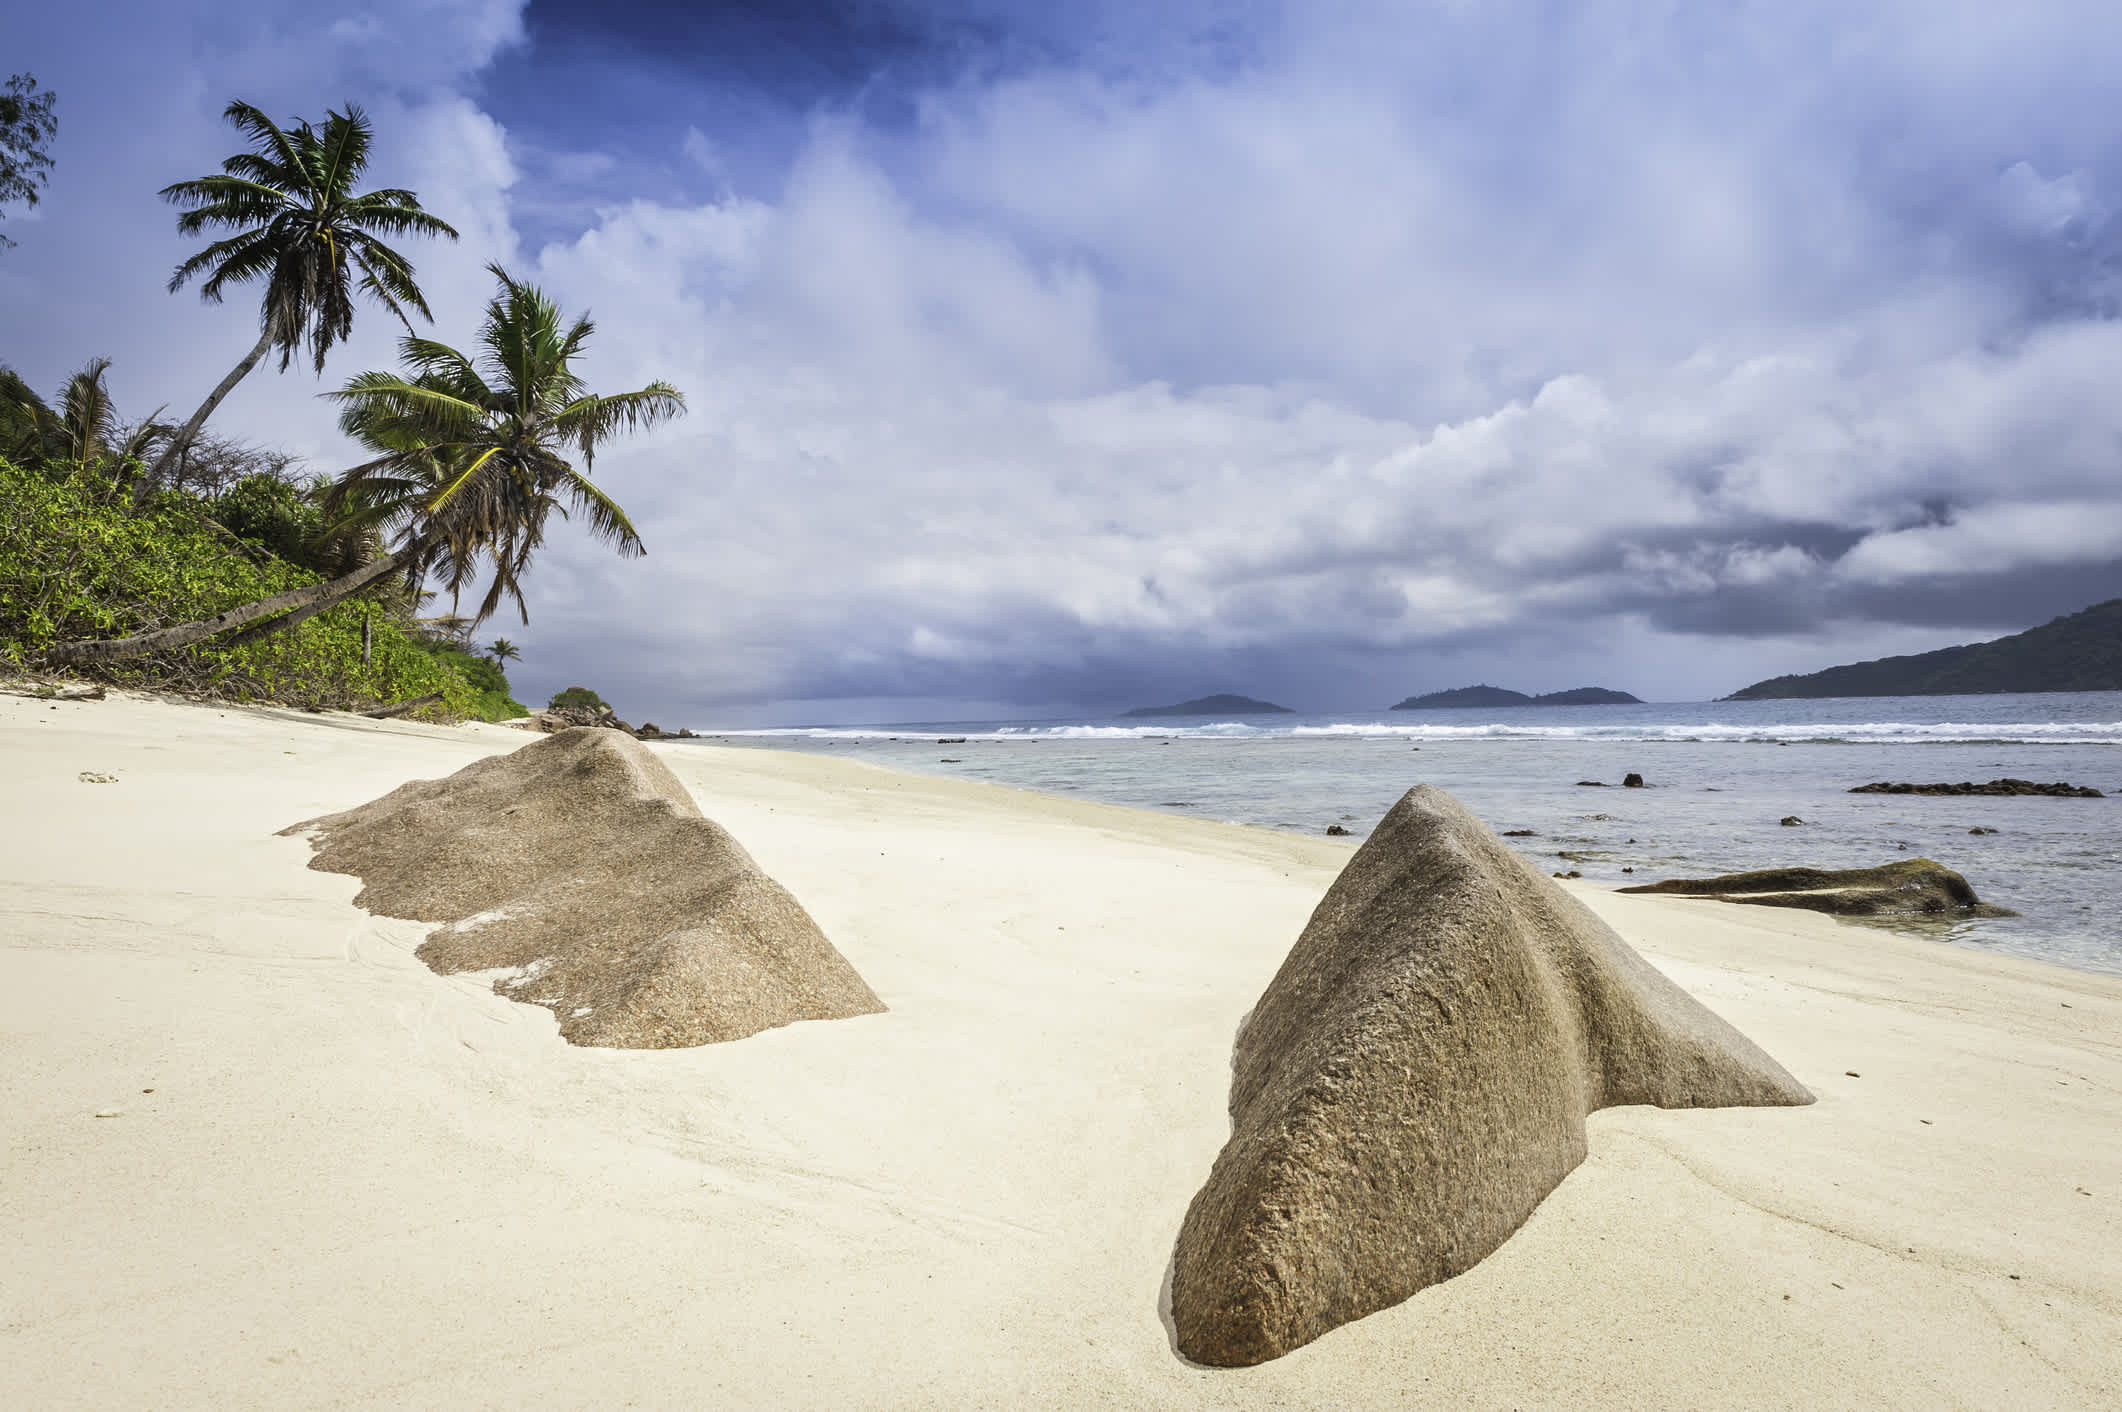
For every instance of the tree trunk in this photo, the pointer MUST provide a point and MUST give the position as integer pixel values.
(297, 618)
(368, 639)
(385, 713)
(183, 439)
(316, 596)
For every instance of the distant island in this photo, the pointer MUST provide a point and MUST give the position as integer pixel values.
(1214, 706)
(2079, 652)
(1494, 696)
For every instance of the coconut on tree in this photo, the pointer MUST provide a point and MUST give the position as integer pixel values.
(474, 457)
(297, 222)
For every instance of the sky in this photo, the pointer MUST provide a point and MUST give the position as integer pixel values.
(1050, 359)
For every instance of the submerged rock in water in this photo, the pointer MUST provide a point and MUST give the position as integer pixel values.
(581, 865)
(1915, 887)
(2058, 790)
(1415, 1080)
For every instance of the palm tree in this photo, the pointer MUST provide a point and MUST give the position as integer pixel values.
(488, 434)
(502, 650)
(83, 429)
(473, 462)
(297, 220)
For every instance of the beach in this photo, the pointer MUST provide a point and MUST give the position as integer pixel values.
(258, 1154)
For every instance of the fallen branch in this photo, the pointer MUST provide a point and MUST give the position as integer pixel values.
(55, 693)
(382, 713)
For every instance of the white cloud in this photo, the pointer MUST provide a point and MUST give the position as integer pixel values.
(1636, 342)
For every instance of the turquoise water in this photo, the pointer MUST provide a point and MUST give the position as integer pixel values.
(1721, 775)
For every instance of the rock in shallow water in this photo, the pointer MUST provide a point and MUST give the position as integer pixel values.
(2007, 787)
(581, 865)
(1415, 1080)
(1914, 887)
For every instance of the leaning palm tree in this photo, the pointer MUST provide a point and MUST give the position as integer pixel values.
(473, 462)
(298, 222)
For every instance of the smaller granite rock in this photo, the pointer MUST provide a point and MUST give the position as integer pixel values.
(1790, 821)
(1979, 830)
(1632, 781)
(559, 718)
(1591, 784)
(1916, 887)
(1336, 831)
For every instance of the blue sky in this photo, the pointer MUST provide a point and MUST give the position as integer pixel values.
(1062, 357)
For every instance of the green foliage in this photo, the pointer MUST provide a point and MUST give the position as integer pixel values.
(2079, 652)
(272, 514)
(75, 565)
(580, 696)
(27, 125)
(493, 702)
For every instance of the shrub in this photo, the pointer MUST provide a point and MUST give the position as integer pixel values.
(578, 696)
(73, 564)
(492, 701)
(272, 514)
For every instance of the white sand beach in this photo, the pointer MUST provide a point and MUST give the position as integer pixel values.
(258, 1155)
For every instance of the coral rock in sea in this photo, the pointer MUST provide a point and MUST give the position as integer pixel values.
(581, 865)
(1415, 1081)
(1913, 887)
(2058, 790)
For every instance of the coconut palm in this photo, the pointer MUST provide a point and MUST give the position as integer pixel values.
(492, 433)
(83, 429)
(474, 461)
(502, 650)
(298, 223)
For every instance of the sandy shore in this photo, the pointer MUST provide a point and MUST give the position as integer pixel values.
(333, 1178)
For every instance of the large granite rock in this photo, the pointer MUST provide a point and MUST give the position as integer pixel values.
(581, 865)
(1911, 887)
(1415, 1081)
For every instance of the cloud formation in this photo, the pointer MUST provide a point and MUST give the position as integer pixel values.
(1326, 353)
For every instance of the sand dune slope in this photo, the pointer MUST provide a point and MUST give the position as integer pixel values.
(332, 1178)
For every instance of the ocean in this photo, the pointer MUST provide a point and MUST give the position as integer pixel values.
(1720, 776)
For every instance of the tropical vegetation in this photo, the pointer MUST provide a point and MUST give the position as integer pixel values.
(27, 126)
(144, 552)
(471, 467)
(577, 698)
(79, 557)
